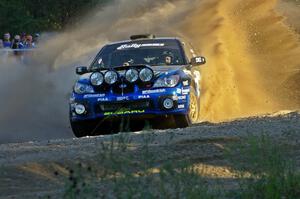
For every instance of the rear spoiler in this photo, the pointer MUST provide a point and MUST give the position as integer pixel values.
(145, 36)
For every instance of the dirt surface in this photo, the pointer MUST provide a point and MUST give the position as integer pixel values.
(28, 169)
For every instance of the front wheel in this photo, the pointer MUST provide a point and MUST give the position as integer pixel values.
(83, 128)
(192, 117)
(94, 128)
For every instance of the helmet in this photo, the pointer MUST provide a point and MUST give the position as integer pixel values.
(7, 36)
(168, 53)
(17, 37)
(167, 57)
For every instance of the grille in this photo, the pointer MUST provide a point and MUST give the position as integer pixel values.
(123, 88)
(131, 105)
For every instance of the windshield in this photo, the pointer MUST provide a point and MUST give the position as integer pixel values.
(150, 52)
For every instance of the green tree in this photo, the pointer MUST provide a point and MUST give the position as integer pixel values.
(18, 16)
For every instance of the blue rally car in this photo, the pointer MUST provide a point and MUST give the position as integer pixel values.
(143, 80)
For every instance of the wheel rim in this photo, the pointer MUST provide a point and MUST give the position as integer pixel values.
(193, 110)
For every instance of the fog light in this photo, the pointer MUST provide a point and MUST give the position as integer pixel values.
(168, 103)
(79, 109)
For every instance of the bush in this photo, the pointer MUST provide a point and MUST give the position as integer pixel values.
(123, 173)
(266, 169)
(31, 16)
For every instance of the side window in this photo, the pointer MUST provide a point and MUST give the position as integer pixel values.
(189, 51)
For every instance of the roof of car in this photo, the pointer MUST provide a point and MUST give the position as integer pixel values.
(154, 39)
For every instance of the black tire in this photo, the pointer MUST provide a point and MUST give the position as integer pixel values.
(83, 129)
(183, 121)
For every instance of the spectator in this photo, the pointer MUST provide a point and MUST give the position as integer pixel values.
(17, 44)
(23, 38)
(29, 42)
(6, 41)
(36, 38)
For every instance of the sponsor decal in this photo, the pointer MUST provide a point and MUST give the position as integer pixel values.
(128, 46)
(175, 97)
(185, 91)
(181, 106)
(103, 100)
(178, 91)
(182, 97)
(123, 86)
(124, 112)
(199, 60)
(154, 91)
(123, 98)
(93, 96)
(186, 83)
(144, 97)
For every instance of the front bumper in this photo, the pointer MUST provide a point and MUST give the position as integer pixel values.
(142, 103)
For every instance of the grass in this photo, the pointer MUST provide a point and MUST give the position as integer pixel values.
(273, 174)
(124, 173)
(122, 170)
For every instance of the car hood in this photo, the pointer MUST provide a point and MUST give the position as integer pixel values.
(161, 71)
(167, 68)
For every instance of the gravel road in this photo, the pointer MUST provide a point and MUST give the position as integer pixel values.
(27, 169)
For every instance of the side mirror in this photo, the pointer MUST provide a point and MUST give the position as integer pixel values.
(81, 70)
(197, 61)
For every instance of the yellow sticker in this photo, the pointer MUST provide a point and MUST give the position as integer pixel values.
(127, 112)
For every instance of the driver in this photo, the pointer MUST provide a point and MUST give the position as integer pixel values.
(167, 58)
(128, 63)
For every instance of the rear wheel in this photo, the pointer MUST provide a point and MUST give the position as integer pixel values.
(192, 117)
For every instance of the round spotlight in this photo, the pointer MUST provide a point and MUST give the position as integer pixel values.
(97, 79)
(111, 77)
(146, 75)
(132, 75)
(168, 103)
(80, 109)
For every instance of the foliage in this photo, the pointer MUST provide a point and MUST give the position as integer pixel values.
(262, 165)
(31, 16)
(273, 174)
(122, 174)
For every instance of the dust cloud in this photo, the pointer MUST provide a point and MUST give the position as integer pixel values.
(252, 54)
(252, 58)
(251, 51)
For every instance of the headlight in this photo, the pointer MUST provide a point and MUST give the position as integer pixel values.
(146, 75)
(169, 82)
(132, 75)
(80, 109)
(80, 88)
(111, 77)
(97, 79)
